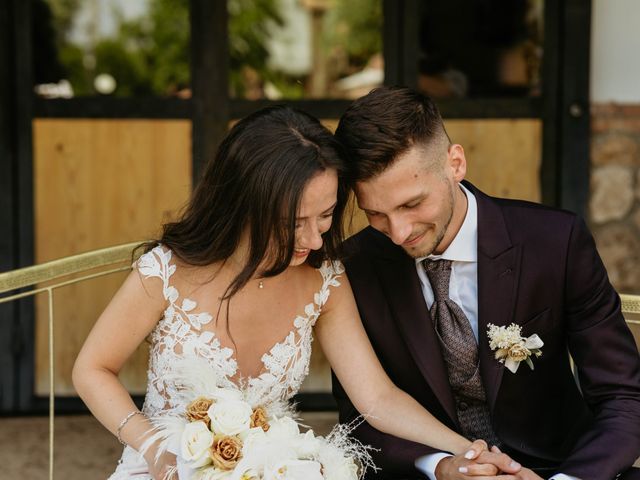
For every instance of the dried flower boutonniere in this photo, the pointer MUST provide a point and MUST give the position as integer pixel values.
(511, 347)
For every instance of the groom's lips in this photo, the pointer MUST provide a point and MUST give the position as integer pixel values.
(414, 240)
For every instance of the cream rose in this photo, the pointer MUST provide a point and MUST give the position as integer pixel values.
(195, 443)
(282, 429)
(230, 417)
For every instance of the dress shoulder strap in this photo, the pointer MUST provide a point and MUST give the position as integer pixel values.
(156, 263)
(331, 272)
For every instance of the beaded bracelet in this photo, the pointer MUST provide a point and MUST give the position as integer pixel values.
(124, 422)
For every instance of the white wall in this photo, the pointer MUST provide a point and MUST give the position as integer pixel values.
(615, 51)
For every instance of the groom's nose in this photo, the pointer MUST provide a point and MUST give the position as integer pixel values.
(399, 230)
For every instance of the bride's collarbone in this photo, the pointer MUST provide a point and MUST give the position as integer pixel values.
(263, 303)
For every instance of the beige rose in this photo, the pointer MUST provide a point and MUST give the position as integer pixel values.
(197, 410)
(519, 352)
(259, 419)
(226, 452)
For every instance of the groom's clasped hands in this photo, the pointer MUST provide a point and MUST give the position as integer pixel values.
(481, 463)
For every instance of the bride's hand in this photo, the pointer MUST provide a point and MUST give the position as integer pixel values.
(475, 449)
(476, 461)
(485, 462)
(163, 468)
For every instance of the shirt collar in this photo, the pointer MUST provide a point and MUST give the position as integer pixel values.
(464, 247)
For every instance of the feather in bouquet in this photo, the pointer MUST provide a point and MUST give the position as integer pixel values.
(219, 435)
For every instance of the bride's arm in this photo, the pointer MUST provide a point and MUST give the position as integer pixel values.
(386, 407)
(121, 328)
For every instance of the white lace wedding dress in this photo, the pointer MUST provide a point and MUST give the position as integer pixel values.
(179, 334)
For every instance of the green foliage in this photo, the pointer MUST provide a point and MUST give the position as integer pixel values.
(356, 26)
(249, 24)
(71, 56)
(126, 65)
(150, 55)
(167, 47)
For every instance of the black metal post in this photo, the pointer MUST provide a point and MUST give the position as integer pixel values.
(16, 201)
(574, 107)
(209, 79)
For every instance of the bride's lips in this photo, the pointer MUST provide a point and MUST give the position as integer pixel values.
(301, 252)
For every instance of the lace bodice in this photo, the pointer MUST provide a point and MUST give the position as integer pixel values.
(180, 334)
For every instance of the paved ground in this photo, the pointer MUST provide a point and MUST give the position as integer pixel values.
(84, 449)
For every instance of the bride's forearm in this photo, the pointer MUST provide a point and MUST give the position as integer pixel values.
(110, 403)
(397, 413)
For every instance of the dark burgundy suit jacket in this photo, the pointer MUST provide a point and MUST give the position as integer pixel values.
(537, 267)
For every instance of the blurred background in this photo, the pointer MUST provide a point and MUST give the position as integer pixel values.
(110, 108)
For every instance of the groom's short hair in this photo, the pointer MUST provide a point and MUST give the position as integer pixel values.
(385, 123)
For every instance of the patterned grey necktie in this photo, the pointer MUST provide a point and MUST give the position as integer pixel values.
(460, 352)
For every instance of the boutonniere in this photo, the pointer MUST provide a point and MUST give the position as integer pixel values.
(511, 347)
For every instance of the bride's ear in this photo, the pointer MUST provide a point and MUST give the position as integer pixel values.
(457, 162)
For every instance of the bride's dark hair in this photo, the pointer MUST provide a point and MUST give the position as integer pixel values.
(255, 182)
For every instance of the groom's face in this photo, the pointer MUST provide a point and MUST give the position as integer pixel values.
(416, 201)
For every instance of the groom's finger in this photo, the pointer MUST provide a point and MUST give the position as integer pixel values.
(491, 477)
(502, 461)
(475, 469)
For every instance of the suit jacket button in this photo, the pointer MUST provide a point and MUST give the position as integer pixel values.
(463, 405)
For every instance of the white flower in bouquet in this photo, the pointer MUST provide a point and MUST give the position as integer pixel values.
(212, 474)
(224, 433)
(335, 466)
(308, 445)
(283, 429)
(230, 394)
(293, 469)
(262, 448)
(253, 440)
(196, 441)
(230, 417)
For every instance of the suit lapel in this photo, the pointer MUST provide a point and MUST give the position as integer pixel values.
(498, 274)
(404, 296)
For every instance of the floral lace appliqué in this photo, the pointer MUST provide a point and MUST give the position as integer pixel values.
(179, 334)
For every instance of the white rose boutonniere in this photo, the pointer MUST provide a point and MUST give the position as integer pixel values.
(511, 347)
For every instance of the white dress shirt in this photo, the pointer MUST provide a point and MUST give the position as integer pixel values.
(463, 290)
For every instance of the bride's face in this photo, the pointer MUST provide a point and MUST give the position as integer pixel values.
(315, 214)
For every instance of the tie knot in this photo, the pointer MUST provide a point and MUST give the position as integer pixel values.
(438, 272)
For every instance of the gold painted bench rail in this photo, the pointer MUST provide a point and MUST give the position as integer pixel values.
(53, 275)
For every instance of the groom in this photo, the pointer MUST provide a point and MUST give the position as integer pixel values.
(439, 264)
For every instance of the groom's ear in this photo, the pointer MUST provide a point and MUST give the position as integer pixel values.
(457, 162)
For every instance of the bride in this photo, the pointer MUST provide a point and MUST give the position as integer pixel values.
(242, 280)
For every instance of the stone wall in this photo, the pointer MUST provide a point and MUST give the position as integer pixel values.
(614, 206)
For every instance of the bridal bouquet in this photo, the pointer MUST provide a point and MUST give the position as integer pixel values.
(219, 435)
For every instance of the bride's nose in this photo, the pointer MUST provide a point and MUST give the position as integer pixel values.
(310, 236)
